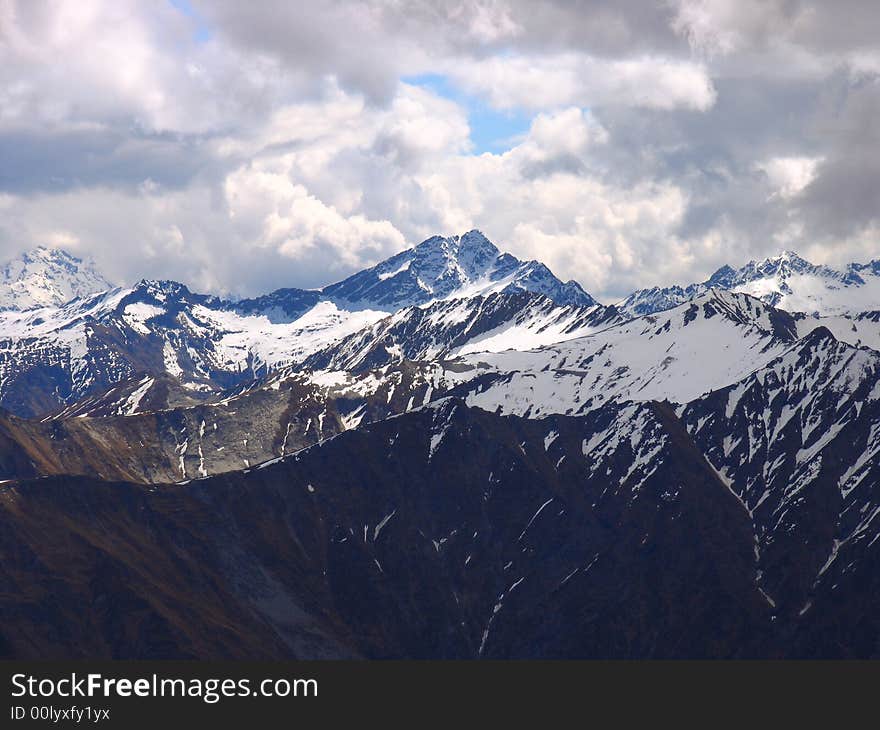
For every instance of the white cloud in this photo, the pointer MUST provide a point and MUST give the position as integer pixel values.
(63, 239)
(547, 82)
(559, 210)
(62, 59)
(325, 200)
(724, 26)
(489, 21)
(279, 214)
(98, 63)
(789, 175)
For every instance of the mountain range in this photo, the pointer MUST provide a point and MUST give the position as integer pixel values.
(452, 454)
(786, 281)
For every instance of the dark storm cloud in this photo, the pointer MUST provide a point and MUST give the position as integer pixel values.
(845, 196)
(566, 164)
(716, 156)
(601, 27)
(368, 45)
(318, 39)
(42, 162)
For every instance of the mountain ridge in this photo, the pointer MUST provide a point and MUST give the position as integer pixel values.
(463, 266)
(786, 281)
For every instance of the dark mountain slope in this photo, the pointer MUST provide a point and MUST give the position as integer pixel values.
(602, 536)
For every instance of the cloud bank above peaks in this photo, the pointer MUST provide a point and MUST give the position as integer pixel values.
(244, 147)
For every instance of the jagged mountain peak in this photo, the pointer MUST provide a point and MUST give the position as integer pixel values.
(46, 253)
(721, 277)
(161, 287)
(788, 256)
(451, 267)
(467, 245)
(743, 311)
(785, 264)
(45, 277)
(465, 257)
(731, 298)
(787, 281)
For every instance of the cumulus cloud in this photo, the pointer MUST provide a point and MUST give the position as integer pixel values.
(789, 175)
(283, 216)
(88, 64)
(539, 199)
(536, 82)
(242, 147)
(846, 27)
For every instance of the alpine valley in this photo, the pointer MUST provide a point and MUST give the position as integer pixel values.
(452, 454)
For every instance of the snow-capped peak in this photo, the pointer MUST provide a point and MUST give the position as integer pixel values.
(451, 267)
(787, 281)
(47, 277)
(784, 265)
(471, 252)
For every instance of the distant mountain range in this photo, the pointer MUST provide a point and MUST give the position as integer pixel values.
(53, 356)
(786, 281)
(468, 266)
(452, 454)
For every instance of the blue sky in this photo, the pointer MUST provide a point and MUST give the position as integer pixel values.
(492, 130)
(202, 30)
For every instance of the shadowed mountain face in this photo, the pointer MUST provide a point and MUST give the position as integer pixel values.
(556, 539)
(600, 536)
(797, 441)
